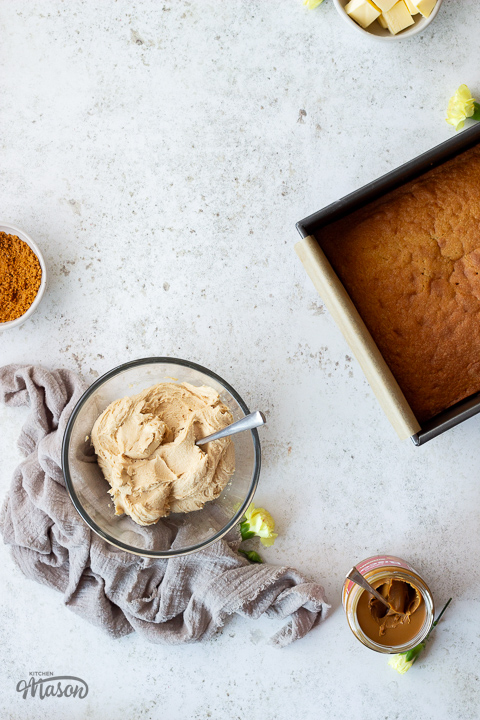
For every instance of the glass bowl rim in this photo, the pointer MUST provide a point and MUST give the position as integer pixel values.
(165, 554)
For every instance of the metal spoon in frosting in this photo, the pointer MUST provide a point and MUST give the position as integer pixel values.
(254, 420)
(356, 576)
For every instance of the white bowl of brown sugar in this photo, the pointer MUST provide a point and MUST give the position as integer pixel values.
(23, 276)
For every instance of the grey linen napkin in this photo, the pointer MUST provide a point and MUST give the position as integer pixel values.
(178, 600)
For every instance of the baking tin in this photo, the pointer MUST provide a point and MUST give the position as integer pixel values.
(391, 181)
(384, 567)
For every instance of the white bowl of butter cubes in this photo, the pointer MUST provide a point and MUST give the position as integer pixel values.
(388, 19)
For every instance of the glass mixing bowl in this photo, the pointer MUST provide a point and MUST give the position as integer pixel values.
(177, 534)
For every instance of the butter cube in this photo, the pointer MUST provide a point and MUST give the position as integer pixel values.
(412, 8)
(425, 6)
(382, 22)
(398, 18)
(364, 12)
(385, 5)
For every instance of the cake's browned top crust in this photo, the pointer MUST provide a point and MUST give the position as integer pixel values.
(411, 264)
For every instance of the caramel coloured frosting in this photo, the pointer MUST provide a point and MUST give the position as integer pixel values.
(145, 446)
(397, 625)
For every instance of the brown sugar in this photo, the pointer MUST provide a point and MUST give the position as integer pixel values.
(20, 277)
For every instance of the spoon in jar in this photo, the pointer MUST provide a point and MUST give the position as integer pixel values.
(356, 576)
(254, 420)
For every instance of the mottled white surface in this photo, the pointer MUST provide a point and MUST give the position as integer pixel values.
(160, 154)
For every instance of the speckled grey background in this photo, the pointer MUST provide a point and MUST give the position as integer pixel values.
(160, 154)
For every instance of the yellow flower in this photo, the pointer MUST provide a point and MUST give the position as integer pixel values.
(460, 107)
(259, 522)
(312, 4)
(400, 664)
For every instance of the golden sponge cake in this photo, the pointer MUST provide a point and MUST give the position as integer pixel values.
(411, 262)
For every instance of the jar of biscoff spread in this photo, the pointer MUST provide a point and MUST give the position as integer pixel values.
(411, 613)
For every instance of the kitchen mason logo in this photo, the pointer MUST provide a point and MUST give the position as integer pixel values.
(45, 684)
